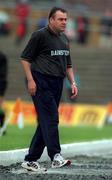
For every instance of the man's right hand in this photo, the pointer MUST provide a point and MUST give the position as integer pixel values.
(32, 87)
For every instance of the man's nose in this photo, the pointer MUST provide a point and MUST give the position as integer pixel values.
(64, 21)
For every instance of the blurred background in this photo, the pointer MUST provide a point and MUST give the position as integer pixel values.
(89, 30)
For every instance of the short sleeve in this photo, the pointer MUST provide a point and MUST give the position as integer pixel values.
(69, 62)
(32, 48)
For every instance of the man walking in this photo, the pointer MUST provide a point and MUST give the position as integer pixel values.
(46, 61)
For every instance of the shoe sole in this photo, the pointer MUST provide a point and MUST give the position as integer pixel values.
(66, 163)
(28, 168)
(34, 170)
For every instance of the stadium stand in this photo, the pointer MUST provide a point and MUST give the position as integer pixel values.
(93, 63)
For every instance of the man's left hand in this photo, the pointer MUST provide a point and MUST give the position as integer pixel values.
(74, 90)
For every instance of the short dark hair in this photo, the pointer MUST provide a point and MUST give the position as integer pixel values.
(54, 10)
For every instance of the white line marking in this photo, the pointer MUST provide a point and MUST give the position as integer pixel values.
(93, 148)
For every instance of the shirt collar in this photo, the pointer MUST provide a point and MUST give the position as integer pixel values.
(52, 32)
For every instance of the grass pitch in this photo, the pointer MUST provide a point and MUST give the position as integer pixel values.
(16, 138)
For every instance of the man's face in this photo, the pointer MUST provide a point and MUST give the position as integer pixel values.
(59, 21)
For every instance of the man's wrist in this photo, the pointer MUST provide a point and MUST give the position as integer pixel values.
(74, 83)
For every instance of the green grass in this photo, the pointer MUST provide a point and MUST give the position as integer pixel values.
(20, 138)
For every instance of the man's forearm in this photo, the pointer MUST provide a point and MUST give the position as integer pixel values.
(27, 71)
(70, 75)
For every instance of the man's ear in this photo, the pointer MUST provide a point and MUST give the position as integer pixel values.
(51, 19)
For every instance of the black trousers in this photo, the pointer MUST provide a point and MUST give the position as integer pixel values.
(46, 102)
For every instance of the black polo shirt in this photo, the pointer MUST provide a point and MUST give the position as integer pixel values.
(48, 52)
